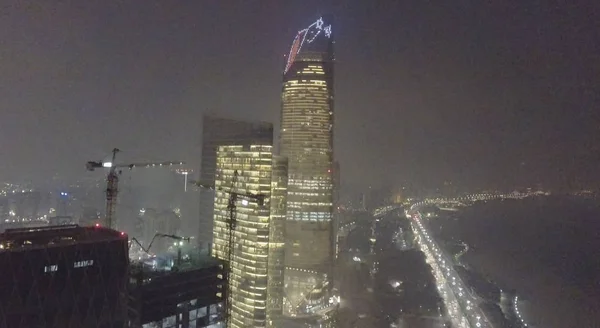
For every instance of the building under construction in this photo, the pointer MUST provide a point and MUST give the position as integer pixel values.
(184, 292)
(72, 276)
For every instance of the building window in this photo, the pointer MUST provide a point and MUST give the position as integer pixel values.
(51, 268)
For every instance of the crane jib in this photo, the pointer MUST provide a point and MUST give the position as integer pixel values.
(112, 181)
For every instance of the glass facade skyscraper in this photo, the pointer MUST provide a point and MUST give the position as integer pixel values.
(219, 131)
(276, 265)
(255, 277)
(306, 139)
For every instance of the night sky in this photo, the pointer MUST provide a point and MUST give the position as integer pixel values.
(483, 95)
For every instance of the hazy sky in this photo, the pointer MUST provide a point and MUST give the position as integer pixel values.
(426, 91)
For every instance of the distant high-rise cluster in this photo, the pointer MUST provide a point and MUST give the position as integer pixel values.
(272, 215)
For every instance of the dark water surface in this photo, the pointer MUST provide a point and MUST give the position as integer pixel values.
(548, 249)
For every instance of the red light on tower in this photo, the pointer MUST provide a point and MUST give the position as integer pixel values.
(97, 225)
(122, 233)
(328, 170)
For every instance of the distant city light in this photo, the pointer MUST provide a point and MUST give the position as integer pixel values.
(395, 284)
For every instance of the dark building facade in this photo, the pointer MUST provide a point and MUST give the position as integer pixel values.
(217, 131)
(63, 276)
(189, 297)
(306, 139)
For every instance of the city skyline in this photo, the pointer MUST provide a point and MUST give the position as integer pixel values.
(463, 98)
(323, 164)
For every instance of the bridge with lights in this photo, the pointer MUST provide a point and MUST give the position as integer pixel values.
(452, 203)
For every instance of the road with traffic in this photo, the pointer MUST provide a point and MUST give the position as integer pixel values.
(462, 306)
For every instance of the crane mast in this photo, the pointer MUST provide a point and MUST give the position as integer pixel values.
(112, 189)
(231, 222)
(112, 181)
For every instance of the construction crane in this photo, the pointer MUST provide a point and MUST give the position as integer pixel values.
(231, 222)
(162, 235)
(112, 181)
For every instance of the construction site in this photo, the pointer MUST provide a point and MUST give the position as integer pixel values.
(104, 273)
(172, 281)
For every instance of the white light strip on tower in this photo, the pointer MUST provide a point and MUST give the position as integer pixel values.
(318, 25)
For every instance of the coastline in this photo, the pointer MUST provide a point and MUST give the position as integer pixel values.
(541, 248)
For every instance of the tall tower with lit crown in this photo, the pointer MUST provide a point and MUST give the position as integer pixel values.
(306, 139)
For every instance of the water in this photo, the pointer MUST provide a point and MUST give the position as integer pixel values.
(546, 249)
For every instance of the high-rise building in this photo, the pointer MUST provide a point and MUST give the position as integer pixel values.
(336, 204)
(66, 276)
(276, 264)
(306, 139)
(337, 181)
(177, 293)
(255, 294)
(217, 132)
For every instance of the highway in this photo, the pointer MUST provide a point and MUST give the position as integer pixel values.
(462, 305)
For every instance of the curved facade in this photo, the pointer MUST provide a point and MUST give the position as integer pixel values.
(306, 139)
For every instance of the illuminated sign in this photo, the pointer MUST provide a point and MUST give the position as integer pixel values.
(82, 264)
(307, 35)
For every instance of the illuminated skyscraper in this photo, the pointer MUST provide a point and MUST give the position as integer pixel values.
(275, 291)
(257, 255)
(218, 131)
(307, 141)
